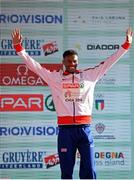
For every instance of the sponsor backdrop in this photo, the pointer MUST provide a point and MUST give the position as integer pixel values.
(28, 132)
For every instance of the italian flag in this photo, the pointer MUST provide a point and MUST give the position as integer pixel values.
(99, 104)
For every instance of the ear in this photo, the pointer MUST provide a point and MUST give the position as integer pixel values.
(63, 61)
(63, 67)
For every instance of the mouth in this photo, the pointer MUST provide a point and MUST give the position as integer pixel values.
(71, 68)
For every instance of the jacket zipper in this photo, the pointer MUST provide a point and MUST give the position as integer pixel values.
(73, 102)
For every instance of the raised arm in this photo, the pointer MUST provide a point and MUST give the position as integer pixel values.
(29, 61)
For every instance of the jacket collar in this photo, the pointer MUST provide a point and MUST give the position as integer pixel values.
(65, 73)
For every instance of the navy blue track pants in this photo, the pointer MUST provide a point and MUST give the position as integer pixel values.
(71, 138)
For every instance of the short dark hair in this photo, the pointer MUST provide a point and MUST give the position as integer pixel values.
(69, 52)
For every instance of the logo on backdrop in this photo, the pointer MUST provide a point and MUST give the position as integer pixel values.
(100, 127)
(110, 159)
(22, 159)
(100, 132)
(97, 19)
(107, 19)
(105, 80)
(41, 159)
(28, 131)
(51, 160)
(99, 104)
(27, 159)
(20, 75)
(31, 18)
(49, 103)
(103, 46)
(50, 48)
(21, 102)
(34, 47)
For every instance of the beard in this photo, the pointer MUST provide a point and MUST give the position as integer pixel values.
(71, 69)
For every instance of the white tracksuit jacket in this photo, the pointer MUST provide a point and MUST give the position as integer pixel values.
(72, 94)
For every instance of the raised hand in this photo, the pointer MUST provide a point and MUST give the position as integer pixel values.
(129, 35)
(16, 36)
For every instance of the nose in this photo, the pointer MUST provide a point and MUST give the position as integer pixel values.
(72, 63)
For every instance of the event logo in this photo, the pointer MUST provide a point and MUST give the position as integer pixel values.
(21, 102)
(101, 134)
(49, 103)
(99, 104)
(22, 159)
(100, 128)
(20, 75)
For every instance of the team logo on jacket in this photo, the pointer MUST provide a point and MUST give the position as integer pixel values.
(73, 92)
(99, 104)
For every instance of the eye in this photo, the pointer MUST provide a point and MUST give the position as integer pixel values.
(75, 61)
(70, 61)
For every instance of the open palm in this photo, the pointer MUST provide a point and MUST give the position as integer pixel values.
(129, 35)
(16, 36)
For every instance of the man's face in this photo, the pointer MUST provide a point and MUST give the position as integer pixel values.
(70, 62)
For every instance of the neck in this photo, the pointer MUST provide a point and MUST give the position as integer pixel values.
(66, 72)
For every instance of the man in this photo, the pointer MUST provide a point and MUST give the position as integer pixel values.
(72, 92)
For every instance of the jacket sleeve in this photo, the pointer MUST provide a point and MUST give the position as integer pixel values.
(33, 65)
(96, 73)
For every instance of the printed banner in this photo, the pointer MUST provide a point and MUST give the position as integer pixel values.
(21, 102)
(20, 75)
(108, 130)
(39, 18)
(109, 102)
(28, 123)
(95, 47)
(41, 46)
(95, 19)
